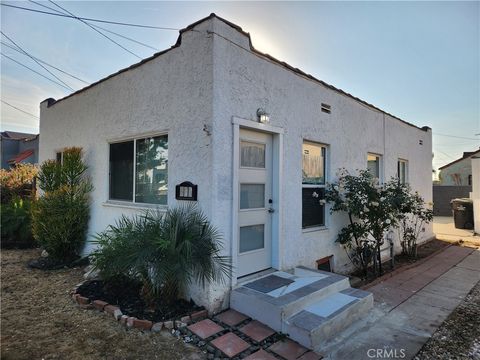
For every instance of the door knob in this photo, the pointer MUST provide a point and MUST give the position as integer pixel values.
(271, 210)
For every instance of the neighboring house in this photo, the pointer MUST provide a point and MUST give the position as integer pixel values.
(458, 172)
(258, 137)
(455, 181)
(18, 148)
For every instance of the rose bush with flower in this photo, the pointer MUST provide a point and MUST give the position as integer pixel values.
(372, 209)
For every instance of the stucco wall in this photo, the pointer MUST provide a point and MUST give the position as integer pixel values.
(171, 93)
(243, 82)
(457, 174)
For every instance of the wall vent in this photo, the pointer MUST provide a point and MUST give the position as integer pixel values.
(326, 108)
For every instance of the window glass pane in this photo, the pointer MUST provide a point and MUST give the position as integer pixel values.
(313, 164)
(151, 176)
(252, 154)
(373, 165)
(251, 237)
(252, 196)
(121, 171)
(313, 209)
(402, 171)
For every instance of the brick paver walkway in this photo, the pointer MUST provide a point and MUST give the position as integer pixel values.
(234, 335)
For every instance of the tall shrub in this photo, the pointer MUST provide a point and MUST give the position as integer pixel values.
(61, 214)
(166, 252)
(372, 209)
(17, 194)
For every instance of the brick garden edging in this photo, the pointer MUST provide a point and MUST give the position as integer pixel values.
(227, 335)
(133, 322)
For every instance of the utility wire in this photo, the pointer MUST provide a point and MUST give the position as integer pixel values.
(44, 62)
(457, 137)
(98, 31)
(36, 72)
(99, 27)
(16, 108)
(90, 19)
(33, 58)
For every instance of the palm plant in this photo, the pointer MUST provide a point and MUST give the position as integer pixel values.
(165, 251)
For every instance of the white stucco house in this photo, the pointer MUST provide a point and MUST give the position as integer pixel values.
(196, 104)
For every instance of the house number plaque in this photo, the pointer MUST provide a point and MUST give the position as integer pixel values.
(186, 191)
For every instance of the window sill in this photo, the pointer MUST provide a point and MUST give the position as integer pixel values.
(134, 206)
(314, 229)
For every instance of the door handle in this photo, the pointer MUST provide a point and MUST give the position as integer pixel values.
(271, 210)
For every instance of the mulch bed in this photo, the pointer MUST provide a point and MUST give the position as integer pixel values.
(423, 251)
(47, 263)
(126, 294)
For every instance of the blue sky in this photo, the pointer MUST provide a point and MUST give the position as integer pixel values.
(417, 60)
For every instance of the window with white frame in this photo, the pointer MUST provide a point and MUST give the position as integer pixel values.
(139, 170)
(402, 171)
(374, 165)
(314, 161)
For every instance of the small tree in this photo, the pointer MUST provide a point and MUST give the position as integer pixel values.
(372, 209)
(61, 214)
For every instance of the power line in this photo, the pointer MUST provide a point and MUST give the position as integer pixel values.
(457, 137)
(99, 27)
(90, 19)
(31, 57)
(44, 62)
(36, 72)
(16, 108)
(98, 31)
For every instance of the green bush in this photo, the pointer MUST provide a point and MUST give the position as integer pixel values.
(166, 252)
(61, 214)
(16, 223)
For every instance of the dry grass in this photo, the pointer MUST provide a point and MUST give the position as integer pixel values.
(39, 320)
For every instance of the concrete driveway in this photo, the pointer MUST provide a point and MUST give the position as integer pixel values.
(444, 229)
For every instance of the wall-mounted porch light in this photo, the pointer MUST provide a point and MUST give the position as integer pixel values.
(262, 116)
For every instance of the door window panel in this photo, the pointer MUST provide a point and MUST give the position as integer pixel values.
(252, 237)
(252, 196)
(252, 154)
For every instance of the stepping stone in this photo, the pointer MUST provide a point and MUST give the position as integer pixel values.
(205, 328)
(230, 344)
(231, 317)
(261, 355)
(310, 356)
(288, 349)
(257, 331)
(269, 283)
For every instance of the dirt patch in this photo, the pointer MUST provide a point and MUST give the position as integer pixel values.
(459, 336)
(39, 320)
(126, 294)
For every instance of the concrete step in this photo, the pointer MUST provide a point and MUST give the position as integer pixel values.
(278, 296)
(320, 322)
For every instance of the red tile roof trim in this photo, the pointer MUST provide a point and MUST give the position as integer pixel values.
(21, 156)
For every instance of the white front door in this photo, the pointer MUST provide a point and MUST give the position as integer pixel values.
(255, 202)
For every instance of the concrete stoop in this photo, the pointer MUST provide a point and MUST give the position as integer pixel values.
(311, 306)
